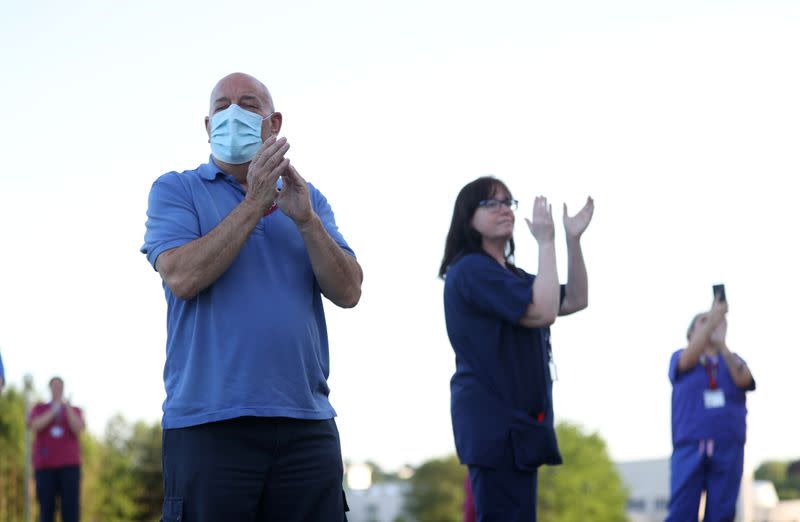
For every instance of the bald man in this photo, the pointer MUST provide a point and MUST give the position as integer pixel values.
(246, 248)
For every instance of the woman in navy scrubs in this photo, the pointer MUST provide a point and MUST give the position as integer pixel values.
(497, 320)
(708, 421)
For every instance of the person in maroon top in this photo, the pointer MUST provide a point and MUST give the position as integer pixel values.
(57, 454)
(469, 501)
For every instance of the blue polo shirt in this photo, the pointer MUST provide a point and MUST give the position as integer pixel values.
(254, 343)
(501, 392)
(691, 420)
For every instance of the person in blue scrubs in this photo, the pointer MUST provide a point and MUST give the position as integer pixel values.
(246, 250)
(708, 421)
(498, 319)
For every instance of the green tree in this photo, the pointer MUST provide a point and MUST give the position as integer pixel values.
(123, 481)
(786, 484)
(12, 454)
(771, 470)
(109, 485)
(586, 487)
(144, 447)
(437, 491)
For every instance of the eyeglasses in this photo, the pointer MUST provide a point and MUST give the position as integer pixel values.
(495, 204)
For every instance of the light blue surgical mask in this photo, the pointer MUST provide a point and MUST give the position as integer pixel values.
(235, 135)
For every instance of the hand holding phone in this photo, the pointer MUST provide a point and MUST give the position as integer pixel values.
(719, 293)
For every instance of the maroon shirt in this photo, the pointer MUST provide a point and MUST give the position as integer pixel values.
(55, 446)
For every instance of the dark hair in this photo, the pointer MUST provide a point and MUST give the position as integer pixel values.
(462, 239)
(56, 378)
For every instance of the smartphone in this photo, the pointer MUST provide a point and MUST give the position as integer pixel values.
(719, 290)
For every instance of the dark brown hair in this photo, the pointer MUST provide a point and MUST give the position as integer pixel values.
(462, 238)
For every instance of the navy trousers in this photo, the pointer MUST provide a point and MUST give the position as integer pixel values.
(504, 495)
(59, 482)
(254, 469)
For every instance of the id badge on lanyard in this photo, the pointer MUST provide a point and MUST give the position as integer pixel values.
(713, 397)
(551, 363)
(56, 430)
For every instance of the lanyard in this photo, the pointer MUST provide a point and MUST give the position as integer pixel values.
(711, 370)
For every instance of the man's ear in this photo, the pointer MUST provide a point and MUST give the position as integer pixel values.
(275, 123)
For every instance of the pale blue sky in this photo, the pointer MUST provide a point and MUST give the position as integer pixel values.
(680, 118)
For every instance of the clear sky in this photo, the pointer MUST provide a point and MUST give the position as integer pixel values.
(679, 117)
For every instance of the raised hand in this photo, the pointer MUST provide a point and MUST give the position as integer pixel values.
(718, 310)
(541, 222)
(718, 334)
(265, 168)
(293, 198)
(576, 225)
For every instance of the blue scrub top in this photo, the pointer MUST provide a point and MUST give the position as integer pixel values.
(691, 420)
(501, 392)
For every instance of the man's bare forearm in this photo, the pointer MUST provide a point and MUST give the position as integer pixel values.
(338, 273)
(193, 267)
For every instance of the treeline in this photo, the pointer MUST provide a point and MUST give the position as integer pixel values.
(122, 480)
(120, 473)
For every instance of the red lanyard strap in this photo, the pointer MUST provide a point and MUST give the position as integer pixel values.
(711, 370)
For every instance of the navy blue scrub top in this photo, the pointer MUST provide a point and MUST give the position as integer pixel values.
(501, 392)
